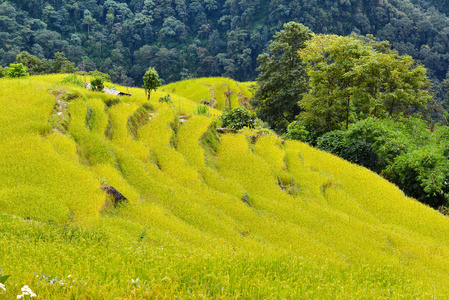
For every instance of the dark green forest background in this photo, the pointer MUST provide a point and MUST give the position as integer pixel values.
(193, 38)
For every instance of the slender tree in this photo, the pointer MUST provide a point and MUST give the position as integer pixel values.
(151, 81)
(282, 78)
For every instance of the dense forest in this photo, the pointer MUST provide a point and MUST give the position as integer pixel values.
(193, 38)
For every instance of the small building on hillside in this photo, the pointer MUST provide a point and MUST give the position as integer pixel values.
(110, 91)
(115, 92)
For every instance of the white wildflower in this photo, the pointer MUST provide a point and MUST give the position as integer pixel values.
(2, 286)
(135, 281)
(26, 291)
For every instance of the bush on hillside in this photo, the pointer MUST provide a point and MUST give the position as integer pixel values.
(296, 131)
(16, 71)
(422, 174)
(237, 118)
(353, 150)
(98, 74)
(166, 99)
(97, 84)
(387, 141)
(201, 109)
(361, 153)
(2, 72)
(73, 79)
(333, 141)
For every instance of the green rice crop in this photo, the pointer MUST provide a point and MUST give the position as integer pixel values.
(231, 216)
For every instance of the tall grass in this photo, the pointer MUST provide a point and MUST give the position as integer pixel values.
(239, 218)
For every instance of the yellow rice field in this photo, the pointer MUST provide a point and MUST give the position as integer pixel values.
(227, 217)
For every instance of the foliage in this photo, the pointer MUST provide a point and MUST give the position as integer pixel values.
(405, 152)
(151, 81)
(332, 142)
(201, 109)
(237, 118)
(34, 64)
(73, 79)
(282, 77)
(106, 77)
(3, 278)
(296, 131)
(97, 84)
(16, 71)
(166, 99)
(353, 150)
(388, 138)
(422, 174)
(60, 64)
(445, 87)
(37, 66)
(2, 72)
(317, 228)
(350, 80)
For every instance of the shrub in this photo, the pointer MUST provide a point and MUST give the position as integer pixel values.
(361, 153)
(422, 174)
(112, 101)
(237, 118)
(97, 84)
(353, 150)
(201, 109)
(2, 72)
(73, 79)
(296, 131)
(98, 74)
(16, 71)
(388, 141)
(332, 142)
(166, 99)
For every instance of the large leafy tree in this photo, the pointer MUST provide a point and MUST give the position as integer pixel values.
(282, 78)
(331, 68)
(349, 80)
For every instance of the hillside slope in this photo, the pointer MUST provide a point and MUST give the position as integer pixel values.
(207, 216)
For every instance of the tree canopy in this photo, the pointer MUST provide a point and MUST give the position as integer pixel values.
(349, 80)
(282, 77)
(151, 81)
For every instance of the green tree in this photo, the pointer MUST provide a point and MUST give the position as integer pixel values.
(151, 81)
(60, 64)
(16, 70)
(282, 78)
(445, 87)
(34, 64)
(349, 80)
(88, 20)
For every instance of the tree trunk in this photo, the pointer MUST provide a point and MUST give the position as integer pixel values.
(347, 113)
